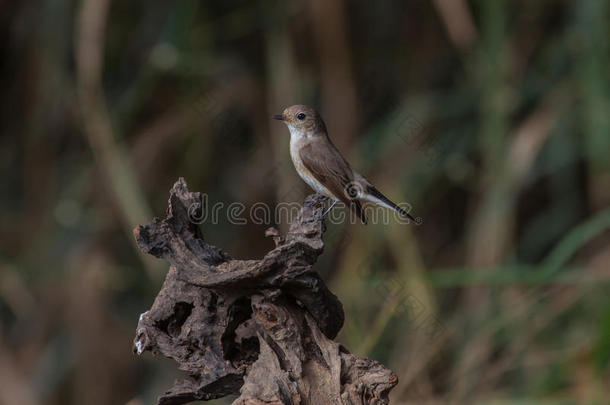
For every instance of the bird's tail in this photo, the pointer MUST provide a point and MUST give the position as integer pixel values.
(356, 207)
(376, 197)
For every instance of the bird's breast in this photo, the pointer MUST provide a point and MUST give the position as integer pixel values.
(295, 147)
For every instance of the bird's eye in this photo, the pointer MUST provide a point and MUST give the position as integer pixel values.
(301, 116)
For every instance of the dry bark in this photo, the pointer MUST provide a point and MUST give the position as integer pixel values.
(261, 329)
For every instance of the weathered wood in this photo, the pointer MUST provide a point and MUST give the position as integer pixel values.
(259, 328)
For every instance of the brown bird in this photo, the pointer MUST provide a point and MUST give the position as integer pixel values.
(323, 168)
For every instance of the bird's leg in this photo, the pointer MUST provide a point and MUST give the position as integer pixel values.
(321, 217)
(329, 208)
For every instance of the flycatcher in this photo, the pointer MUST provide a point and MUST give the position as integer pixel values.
(323, 168)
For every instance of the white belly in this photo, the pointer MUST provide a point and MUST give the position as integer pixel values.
(304, 172)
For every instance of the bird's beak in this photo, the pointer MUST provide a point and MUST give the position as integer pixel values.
(278, 117)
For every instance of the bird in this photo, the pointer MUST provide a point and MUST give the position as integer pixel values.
(320, 164)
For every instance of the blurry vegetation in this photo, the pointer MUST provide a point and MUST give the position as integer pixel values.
(491, 118)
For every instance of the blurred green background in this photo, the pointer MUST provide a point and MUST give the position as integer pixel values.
(491, 118)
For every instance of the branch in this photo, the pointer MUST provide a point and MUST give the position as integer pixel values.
(262, 328)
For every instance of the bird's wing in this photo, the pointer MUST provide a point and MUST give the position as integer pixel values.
(330, 168)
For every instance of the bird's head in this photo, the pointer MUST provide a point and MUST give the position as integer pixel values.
(301, 119)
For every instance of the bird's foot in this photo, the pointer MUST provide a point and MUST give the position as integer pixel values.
(321, 217)
(315, 218)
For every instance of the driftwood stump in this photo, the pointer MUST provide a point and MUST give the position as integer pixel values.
(260, 329)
